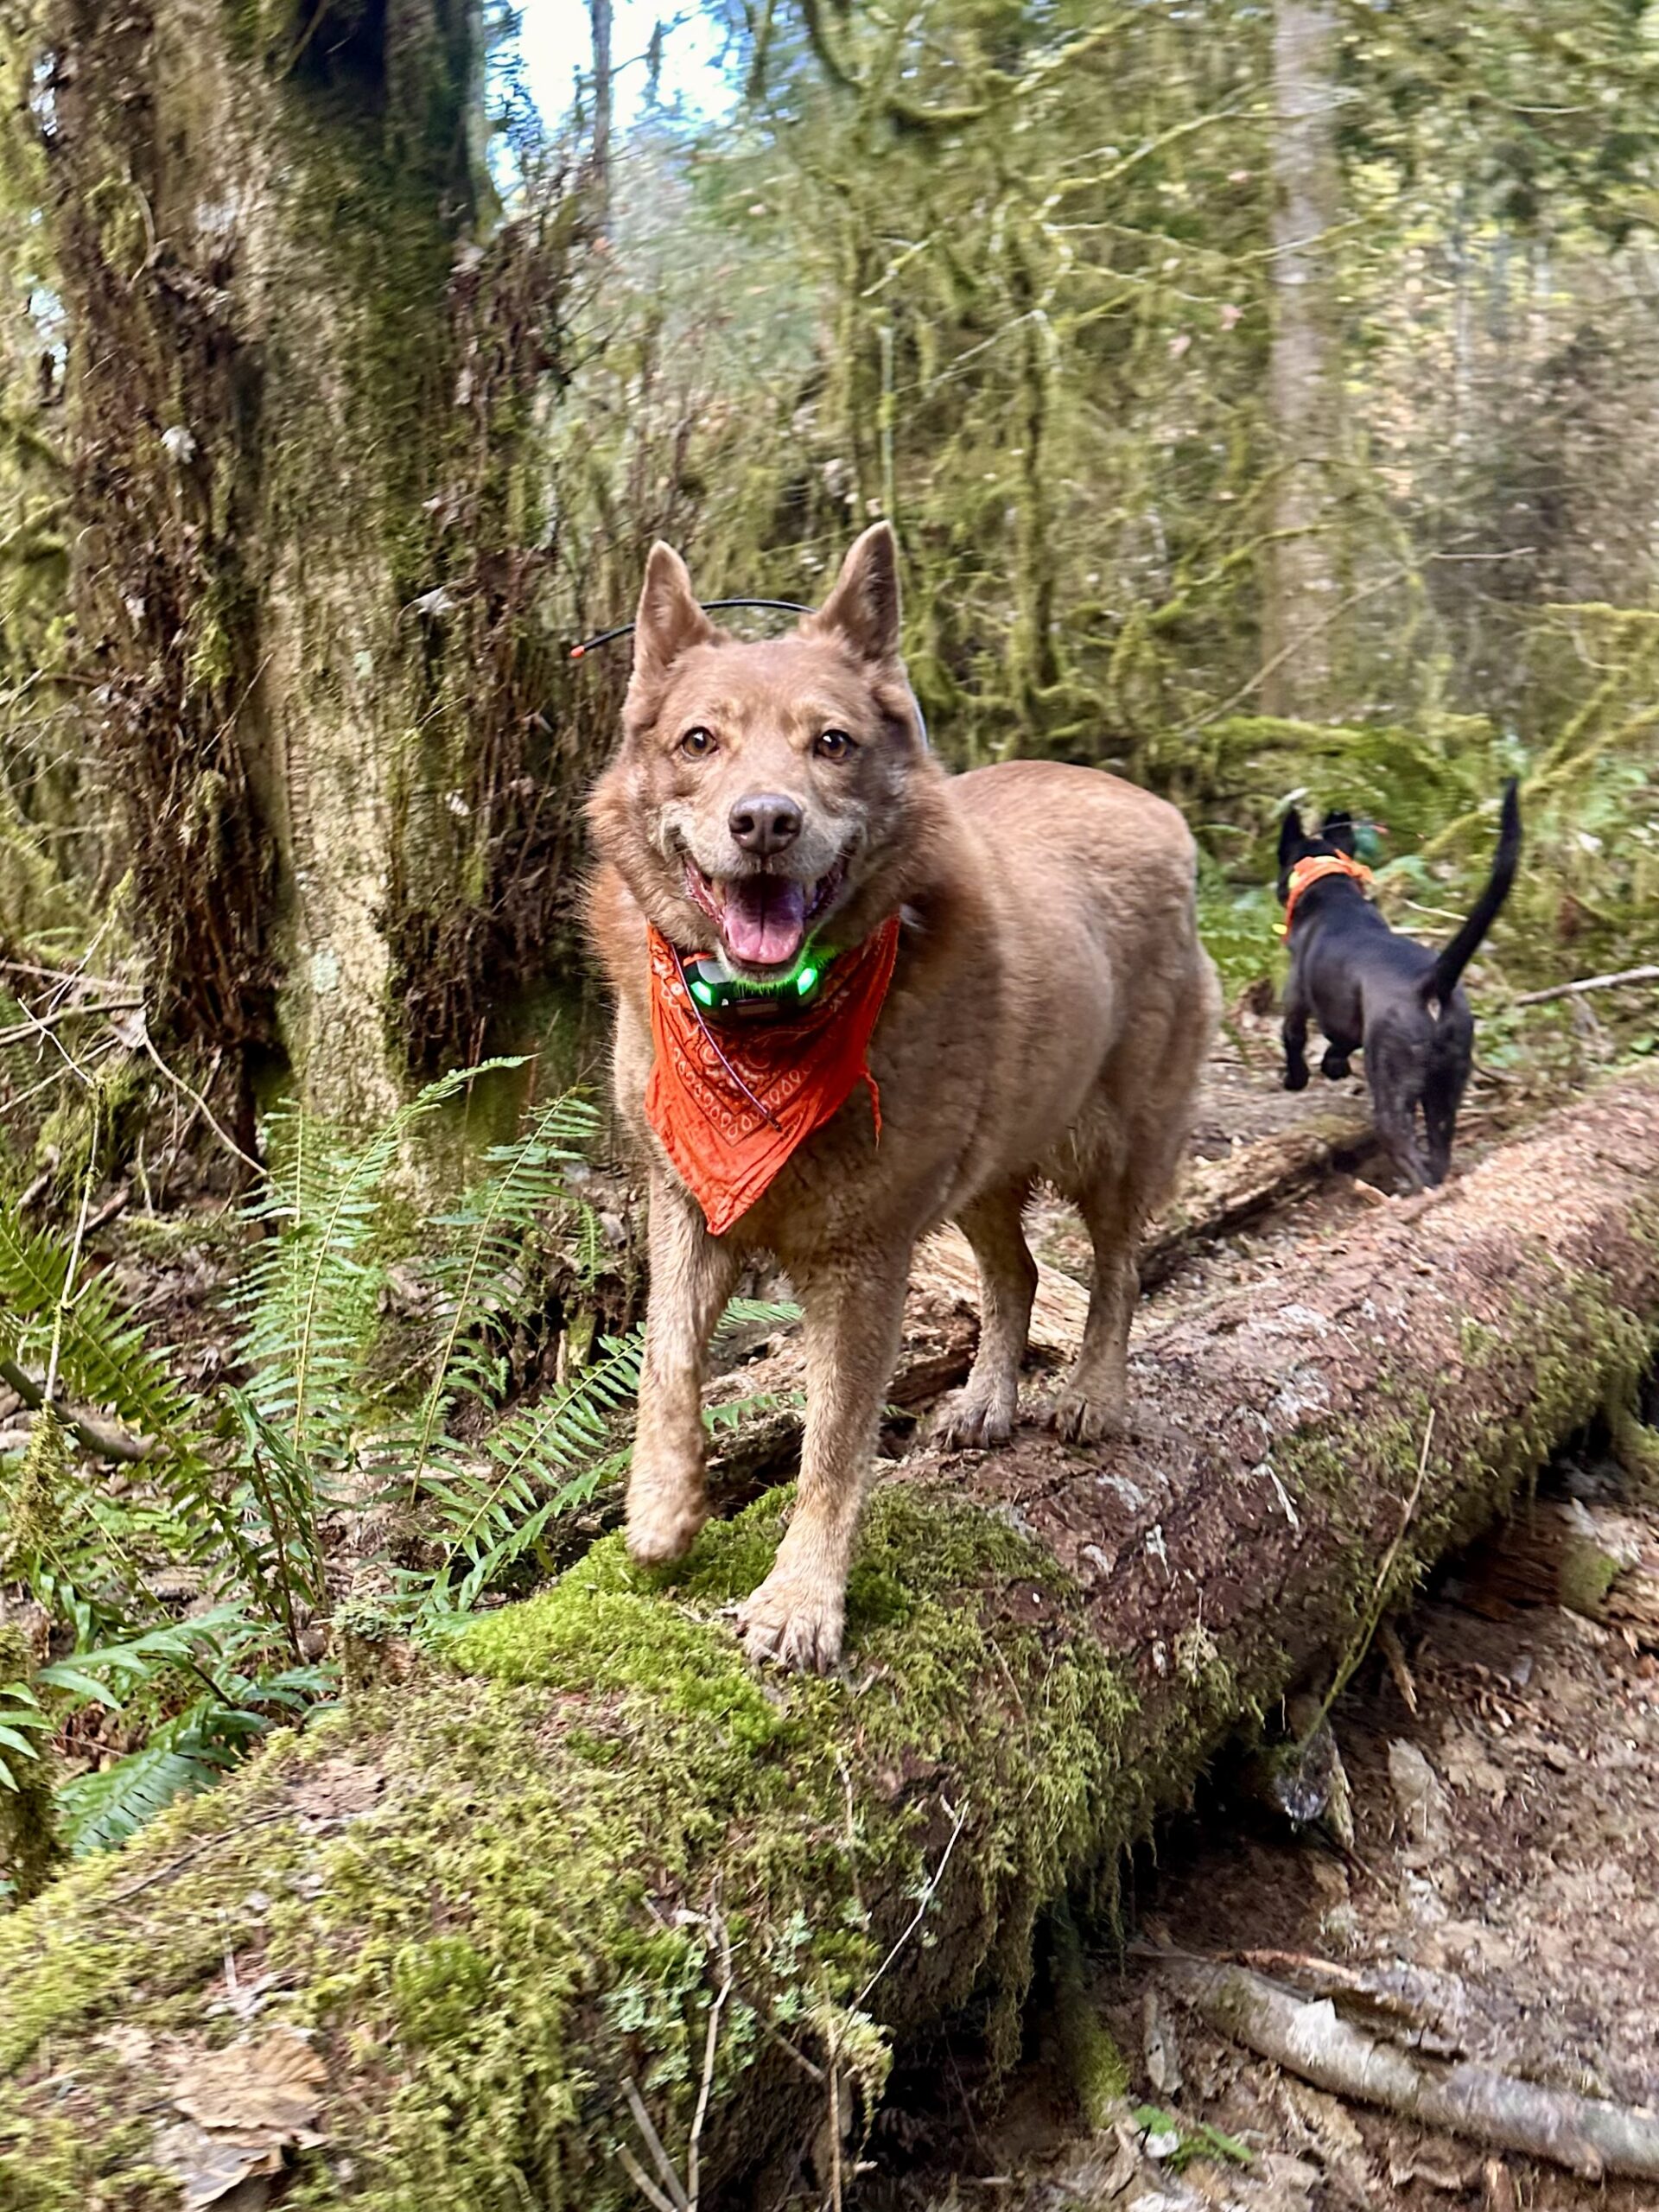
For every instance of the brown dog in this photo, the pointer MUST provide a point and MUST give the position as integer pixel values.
(1048, 1016)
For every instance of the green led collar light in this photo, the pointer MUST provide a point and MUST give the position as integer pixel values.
(712, 988)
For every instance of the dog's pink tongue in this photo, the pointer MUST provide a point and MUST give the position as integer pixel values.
(764, 920)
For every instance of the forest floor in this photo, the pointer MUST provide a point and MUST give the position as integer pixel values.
(1527, 1898)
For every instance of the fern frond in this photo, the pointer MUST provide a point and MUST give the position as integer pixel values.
(21, 1721)
(312, 1298)
(524, 1181)
(183, 1757)
(105, 1360)
(490, 1505)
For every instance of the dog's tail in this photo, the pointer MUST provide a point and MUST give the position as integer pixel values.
(1442, 978)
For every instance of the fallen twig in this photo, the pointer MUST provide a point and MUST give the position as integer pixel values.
(37, 1025)
(711, 2044)
(1587, 2135)
(1588, 984)
(676, 2200)
(102, 1439)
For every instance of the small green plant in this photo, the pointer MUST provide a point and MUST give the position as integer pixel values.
(1194, 2139)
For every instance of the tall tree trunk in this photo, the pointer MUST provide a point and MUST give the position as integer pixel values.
(1304, 370)
(599, 17)
(592, 1866)
(303, 553)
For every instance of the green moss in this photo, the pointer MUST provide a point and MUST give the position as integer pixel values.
(95, 1128)
(1586, 1575)
(1099, 2072)
(594, 1794)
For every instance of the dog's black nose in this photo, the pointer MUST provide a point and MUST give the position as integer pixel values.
(764, 824)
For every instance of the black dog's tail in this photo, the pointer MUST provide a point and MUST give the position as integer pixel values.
(1442, 978)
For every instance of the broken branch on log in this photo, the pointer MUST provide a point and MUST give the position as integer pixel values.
(1589, 983)
(488, 1888)
(1308, 2037)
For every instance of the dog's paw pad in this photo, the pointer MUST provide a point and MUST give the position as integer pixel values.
(792, 1626)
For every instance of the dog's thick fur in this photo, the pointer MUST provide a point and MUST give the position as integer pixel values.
(1367, 987)
(1048, 1017)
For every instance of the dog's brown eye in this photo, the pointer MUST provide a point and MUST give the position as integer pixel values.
(832, 744)
(697, 742)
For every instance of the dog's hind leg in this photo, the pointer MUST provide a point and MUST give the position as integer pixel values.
(692, 1275)
(1442, 1096)
(981, 1413)
(1295, 1040)
(852, 1320)
(1394, 1109)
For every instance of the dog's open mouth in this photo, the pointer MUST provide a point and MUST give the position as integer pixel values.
(762, 919)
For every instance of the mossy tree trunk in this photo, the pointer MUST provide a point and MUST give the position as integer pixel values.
(302, 367)
(596, 1859)
(1303, 580)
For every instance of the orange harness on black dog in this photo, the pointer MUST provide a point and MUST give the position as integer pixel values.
(1312, 870)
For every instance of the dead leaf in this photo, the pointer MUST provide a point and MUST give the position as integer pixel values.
(1443, 2165)
(208, 2167)
(1163, 2053)
(1466, 1767)
(271, 2084)
(1419, 1794)
(243, 2106)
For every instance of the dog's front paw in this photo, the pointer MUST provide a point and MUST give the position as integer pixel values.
(665, 1517)
(1078, 1417)
(795, 1625)
(1295, 1078)
(661, 1537)
(974, 1421)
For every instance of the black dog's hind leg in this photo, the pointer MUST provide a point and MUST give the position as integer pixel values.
(1295, 1036)
(1394, 1077)
(1442, 1096)
(1335, 1063)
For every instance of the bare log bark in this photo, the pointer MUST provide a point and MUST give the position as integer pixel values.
(506, 1888)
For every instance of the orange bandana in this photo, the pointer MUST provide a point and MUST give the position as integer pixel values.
(1313, 870)
(732, 1100)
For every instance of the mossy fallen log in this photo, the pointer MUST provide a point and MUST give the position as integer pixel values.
(594, 1881)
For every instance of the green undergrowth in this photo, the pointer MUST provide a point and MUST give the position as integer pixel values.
(591, 1813)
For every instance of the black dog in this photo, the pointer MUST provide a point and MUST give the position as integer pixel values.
(1368, 988)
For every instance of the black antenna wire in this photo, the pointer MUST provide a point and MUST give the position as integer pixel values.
(709, 607)
(760, 1105)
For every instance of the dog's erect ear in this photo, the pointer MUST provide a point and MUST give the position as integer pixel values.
(1337, 830)
(669, 620)
(1291, 839)
(862, 610)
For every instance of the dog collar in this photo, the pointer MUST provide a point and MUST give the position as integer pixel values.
(1313, 870)
(716, 992)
